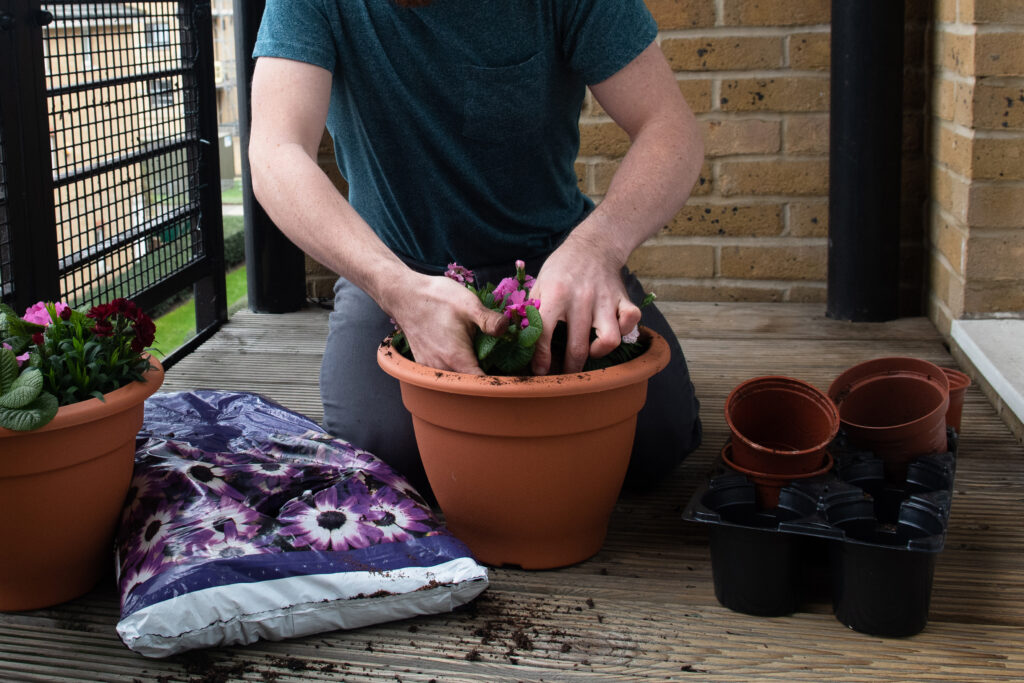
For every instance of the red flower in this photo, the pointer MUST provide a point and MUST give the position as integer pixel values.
(37, 338)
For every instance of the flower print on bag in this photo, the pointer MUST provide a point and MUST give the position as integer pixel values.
(325, 521)
(401, 518)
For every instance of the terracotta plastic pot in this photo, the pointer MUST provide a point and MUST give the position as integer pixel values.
(527, 469)
(768, 485)
(958, 383)
(62, 487)
(780, 425)
(895, 407)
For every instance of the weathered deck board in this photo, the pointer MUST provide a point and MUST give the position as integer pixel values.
(644, 607)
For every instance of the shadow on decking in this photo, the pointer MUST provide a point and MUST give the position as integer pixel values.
(644, 607)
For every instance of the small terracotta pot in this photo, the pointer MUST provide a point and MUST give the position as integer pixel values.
(958, 383)
(62, 487)
(895, 407)
(527, 469)
(780, 425)
(768, 485)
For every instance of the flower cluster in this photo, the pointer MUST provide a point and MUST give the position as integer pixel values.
(511, 353)
(54, 355)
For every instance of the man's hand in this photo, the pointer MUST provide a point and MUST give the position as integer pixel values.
(439, 318)
(581, 283)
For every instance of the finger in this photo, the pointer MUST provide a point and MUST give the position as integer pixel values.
(608, 336)
(541, 363)
(491, 322)
(577, 345)
(629, 316)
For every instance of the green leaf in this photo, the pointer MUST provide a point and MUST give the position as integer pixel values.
(484, 344)
(8, 369)
(514, 359)
(23, 390)
(32, 416)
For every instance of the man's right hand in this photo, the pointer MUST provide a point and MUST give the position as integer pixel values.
(440, 318)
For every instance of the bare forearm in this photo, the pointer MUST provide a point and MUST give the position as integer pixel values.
(652, 183)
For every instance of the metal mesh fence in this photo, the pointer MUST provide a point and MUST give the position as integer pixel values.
(6, 258)
(122, 109)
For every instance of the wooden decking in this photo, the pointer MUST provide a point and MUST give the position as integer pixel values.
(642, 609)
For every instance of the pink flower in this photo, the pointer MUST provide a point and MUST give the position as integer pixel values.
(632, 337)
(21, 359)
(460, 274)
(38, 314)
(517, 303)
(505, 287)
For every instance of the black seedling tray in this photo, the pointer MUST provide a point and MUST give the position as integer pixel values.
(849, 533)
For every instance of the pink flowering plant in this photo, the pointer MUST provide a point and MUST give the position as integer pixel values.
(54, 356)
(511, 353)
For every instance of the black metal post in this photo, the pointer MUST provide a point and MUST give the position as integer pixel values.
(864, 159)
(275, 267)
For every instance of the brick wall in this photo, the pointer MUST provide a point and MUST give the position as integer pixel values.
(756, 73)
(977, 165)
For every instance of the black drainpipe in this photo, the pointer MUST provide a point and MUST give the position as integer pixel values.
(275, 267)
(864, 159)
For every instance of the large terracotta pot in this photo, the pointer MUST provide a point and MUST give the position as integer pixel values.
(62, 487)
(780, 425)
(527, 469)
(895, 407)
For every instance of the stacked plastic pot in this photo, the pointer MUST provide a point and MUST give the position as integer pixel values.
(848, 489)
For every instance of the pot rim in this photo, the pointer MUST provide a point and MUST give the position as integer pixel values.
(115, 401)
(957, 379)
(768, 477)
(807, 389)
(865, 373)
(644, 366)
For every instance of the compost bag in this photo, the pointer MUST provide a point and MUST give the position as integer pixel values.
(245, 521)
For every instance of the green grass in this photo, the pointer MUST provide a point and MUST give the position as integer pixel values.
(176, 327)
(232, 195)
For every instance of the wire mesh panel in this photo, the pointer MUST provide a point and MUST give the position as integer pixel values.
(6, 259)
(122, 104)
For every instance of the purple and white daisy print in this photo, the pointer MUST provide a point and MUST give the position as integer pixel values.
(324, 521)
(400, 516)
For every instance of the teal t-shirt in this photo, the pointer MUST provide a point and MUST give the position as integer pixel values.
(456, 124)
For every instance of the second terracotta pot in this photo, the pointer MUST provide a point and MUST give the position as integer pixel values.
(958, 384)
(767, 485)
(527, 469)
(780, 425)
(894, 407)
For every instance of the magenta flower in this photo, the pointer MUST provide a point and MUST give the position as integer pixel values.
(506, 287)
(38, 314)
(399, 515)
(22, 359)
(632, 337)
(460, 274)
(517, 303)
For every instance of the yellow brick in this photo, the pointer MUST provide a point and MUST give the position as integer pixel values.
(955, 52)
(807, 294)
(946, 286)
(723, 53)
(999, 54)
(705, 181)
(989, 105)
(787, 177)
(952, 149)
(676, 14)
(808, 219)
(776, 12)
(993, 11)
(995, 257)
(999, 159)
(806, 134)
(810, 51)
(994, 297)
(338, 180)
(602, 173)
(951, 193)
(699, 219)
(740, 136)
(713, 290)
(945, 98)
(602, 139)
(794, 93)
(948, 240)
(774, 263)
(945, 11)
(995, 205)
(697, 93)
(581, 176)
(673, 260)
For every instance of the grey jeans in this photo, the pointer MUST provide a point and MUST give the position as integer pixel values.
(363, 405)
